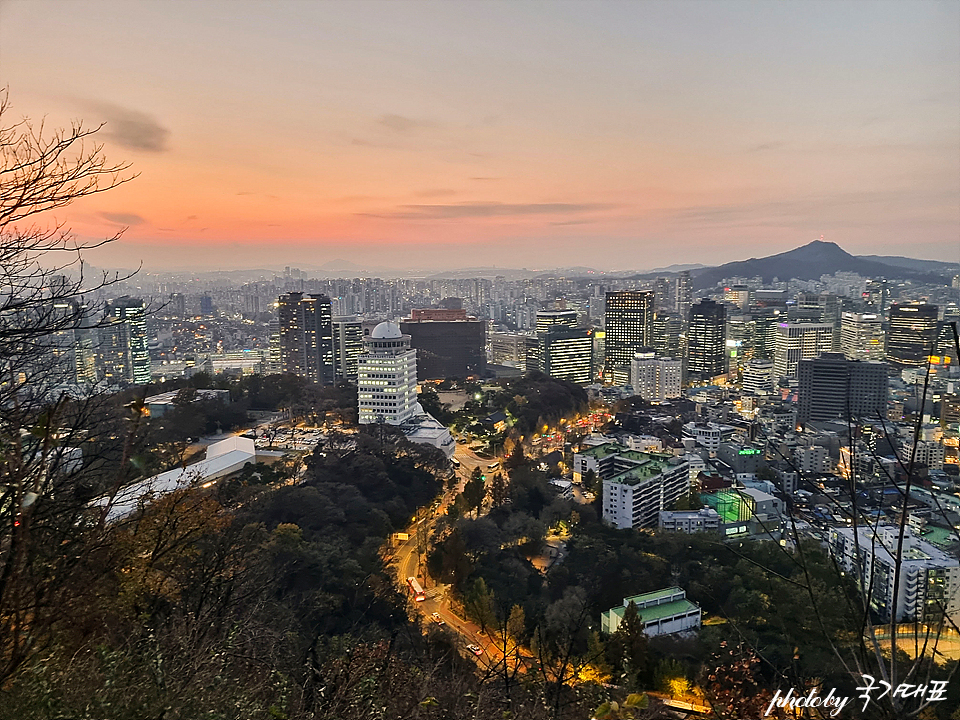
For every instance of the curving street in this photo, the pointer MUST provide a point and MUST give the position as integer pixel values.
(438, 601)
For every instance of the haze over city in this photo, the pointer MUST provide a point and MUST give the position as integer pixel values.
(475, 359)
(441, 135)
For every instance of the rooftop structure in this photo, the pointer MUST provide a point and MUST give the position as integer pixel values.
(662, 612)
(222, 459)
(157, 405)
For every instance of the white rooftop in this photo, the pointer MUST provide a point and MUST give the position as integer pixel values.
(386, 331)
(223, 458)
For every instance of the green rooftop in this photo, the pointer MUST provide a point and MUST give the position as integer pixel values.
(650, 466)
(941, 537)
(605, 450)
(655, 595)
(658, 612)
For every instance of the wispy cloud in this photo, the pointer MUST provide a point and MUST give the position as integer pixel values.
(123, 218)
(485, 209)
(130, 129)
(401, 124)
(854, 207)
(774, 145)
(436, 192)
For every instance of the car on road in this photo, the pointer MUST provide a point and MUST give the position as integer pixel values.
(454, 462)
(437, 619)
(493, 465)
(475, 649)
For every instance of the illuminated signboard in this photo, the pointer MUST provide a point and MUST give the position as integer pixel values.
(749, 451)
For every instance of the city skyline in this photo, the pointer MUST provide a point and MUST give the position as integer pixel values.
(446, 135)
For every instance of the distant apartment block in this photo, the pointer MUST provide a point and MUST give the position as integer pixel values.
(929, 584)
(813, 459)
(654, 378)
(708, 435)
(690, 521)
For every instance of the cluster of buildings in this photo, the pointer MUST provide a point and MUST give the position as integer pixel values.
(776, 395)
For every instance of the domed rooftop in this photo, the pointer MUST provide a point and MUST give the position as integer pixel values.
(386, 331)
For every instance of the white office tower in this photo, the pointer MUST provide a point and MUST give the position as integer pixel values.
(796, 342)
(654, 378)
(862, 336)
(758, 377)
(387, 385)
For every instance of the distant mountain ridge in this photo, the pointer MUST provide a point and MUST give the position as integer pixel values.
(812, 260)
(913, 263)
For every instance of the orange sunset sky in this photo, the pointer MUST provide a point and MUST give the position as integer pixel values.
(615, 135)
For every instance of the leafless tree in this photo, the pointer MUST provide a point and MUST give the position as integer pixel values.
(45, 434)
(871, 645)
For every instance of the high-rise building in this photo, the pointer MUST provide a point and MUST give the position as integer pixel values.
(684, 294)
(706, 340)
(113, 351)
(758, 377)
(347, 348)
(656, 378)
(177, 305)
(387, 382)
(306, 337)
(668, 334)
(831, 387)
(664, 299)
(821, 308)
(741, 334)
(861, 336)
(448, 348)
(913, 334)
(550, 319)
(567, 354)
(127, 340)
(815, 307)
(739, 295)
(767, 321)
(69, 354)
(877, 295)
(628, 324)
(273, 353)
(796, 342)
(509, 349)
(946, 343)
